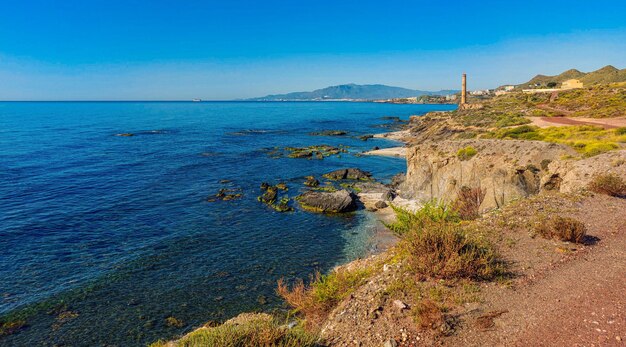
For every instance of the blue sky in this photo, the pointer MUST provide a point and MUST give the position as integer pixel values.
(125, 50)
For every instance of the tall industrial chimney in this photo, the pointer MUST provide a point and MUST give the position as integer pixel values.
(464, 90)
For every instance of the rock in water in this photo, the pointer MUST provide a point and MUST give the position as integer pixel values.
(269, 197)
(311, 182)
(350, 174)
(328, 202)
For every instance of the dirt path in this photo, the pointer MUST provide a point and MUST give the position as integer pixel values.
(608, 123)
(578, 300)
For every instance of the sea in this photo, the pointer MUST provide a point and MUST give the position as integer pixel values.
(110, 240)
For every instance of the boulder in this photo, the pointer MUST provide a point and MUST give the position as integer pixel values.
(380, 204)
(328, 202)
(350, 174)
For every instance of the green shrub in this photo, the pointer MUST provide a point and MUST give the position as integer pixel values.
(562, 228)
(620, 131)
(432, 211)
(466, 153)
(593, 149)
(609, 184)
(254, 332)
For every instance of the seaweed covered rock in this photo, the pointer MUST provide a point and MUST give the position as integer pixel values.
(328, 202)
(349, 174)
(329, 133)
(311, 181)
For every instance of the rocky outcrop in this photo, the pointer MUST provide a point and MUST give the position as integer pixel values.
(349, 174)
(505, 170)
(571, 175)
(328, 202)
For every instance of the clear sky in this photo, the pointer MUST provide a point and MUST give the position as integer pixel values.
(148, 50)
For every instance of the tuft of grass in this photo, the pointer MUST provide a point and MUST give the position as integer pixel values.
(468, 201)
(609, 184)
(447, 251)
(433, 211)
(563, 229)
(429, 315)
(255, 332)
(466, 153)
(315, 301)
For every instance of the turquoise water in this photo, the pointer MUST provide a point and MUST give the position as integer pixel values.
(117, 230)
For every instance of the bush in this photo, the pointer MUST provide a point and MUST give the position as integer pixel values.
(563, 229)
(447, 251)
(466, 153)
(315, 301)
(620, 131)
(254, 332)
(432, 211)
(468, 201)
(609, 184)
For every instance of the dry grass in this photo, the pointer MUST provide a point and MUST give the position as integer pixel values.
(314, 302)
(447, 251)
(562, 228)
(468, 202)
(429, 315)
(608, 184)
(255, 332)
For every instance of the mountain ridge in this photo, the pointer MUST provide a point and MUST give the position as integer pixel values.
(607, 74)
(351, 91)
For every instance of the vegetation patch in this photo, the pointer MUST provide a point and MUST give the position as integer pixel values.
(562, 228)
(432, 211)
(253, 332)
(608, 184)
(466, 153)
(586, 139)
(448, 251)
(468, 201)
(315, 301)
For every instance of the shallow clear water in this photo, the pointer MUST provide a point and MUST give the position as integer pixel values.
(118, 230)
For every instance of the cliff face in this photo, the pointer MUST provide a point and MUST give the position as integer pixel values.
(505, 170)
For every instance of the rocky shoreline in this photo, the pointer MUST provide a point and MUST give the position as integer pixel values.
(515, 187)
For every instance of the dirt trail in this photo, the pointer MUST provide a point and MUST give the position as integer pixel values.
(579, 301)
(608, 123)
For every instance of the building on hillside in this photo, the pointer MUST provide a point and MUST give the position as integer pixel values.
(571, 84)
(508, 88)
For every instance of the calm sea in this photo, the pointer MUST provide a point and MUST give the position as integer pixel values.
(102, 238)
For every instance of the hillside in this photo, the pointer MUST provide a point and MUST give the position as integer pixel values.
(607, 74)
(352, 92)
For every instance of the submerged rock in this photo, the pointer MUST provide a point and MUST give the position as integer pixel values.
(366, 137)
(310, 152)
(270, 196)
(311, 181)
(329, 133)
(226, 194)
(350, 174)
(125, 134)
(328, 202)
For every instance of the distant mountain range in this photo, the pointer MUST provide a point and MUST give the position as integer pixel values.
(352, 92)
(607, 74)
